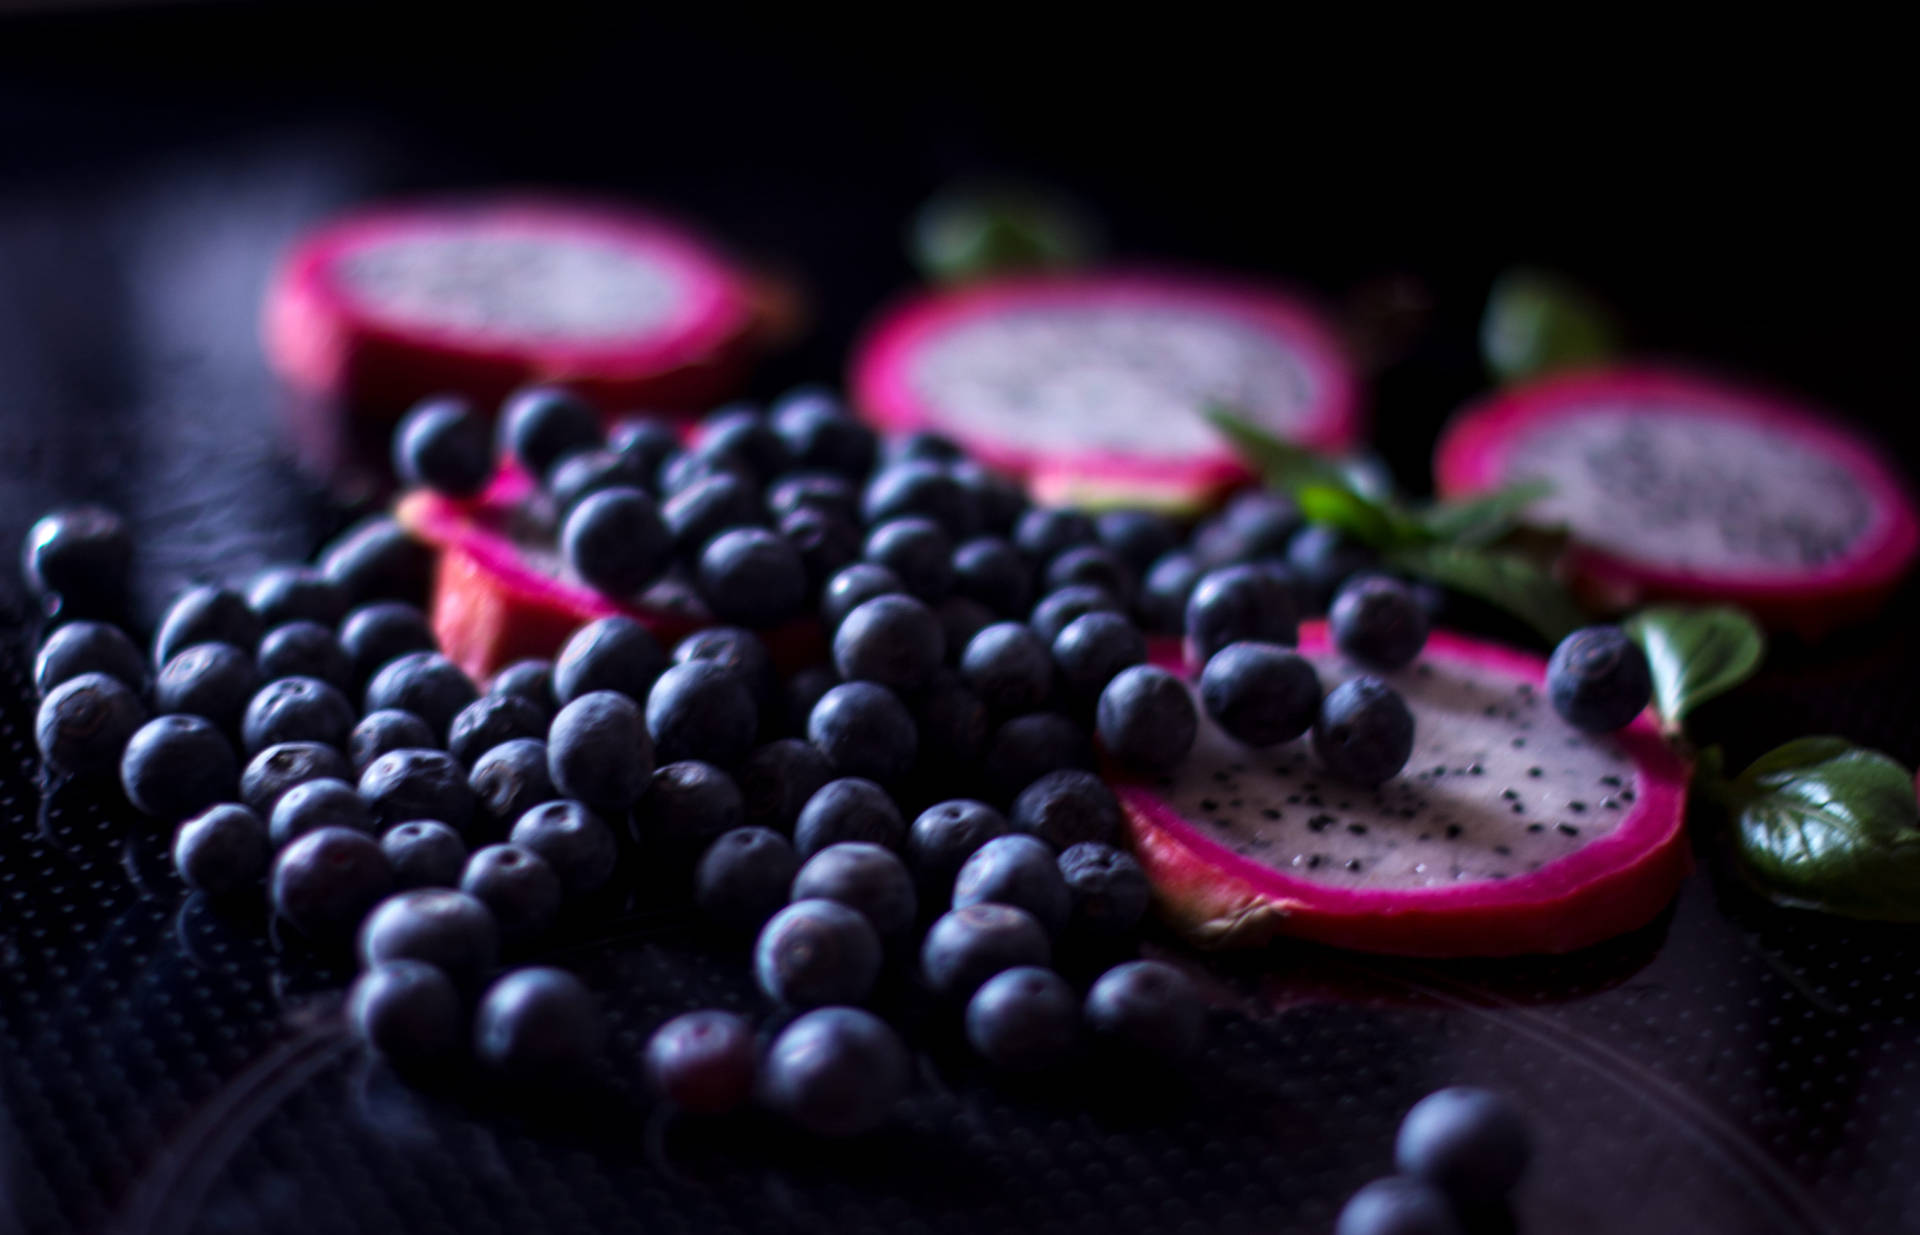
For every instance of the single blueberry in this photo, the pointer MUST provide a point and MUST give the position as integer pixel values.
(1045, 532)
(598, 751)
(610, 653)
(817, 952)
(1258, 524)
(752, 577)
(447, 929)
(893, 640)
(80, 557)
(1376, 622)
(863, 877)
(1471, 1143)
(1024, 1018)
(687, 805)
(1058, 609)
(617, 541)
(1165, 590)
(518, 885)
(837, 1072)
(1009, 668)
(1067, 807)
(1000, 499)
(821, 436)
(943, 837)
(89, 647)
(214, 681)
(644, 443)
(864, 730)
(489, 721)
(703, 1062)
(848, 809)
(282, 594)
(579, 477)
(742, 433)
(510, 780)
(1108, 888)
(1018, 870)
(316, 804)
(966, 946)
(920, 446)
(222, 850)
(206, 614)
(1139, 538)
(424, 683)
(424, 854)
(701, 710)
(1239, 604)
(404, 785)
(990, 570)
(917, 551)
(532, 680)
(1321, 558)
(324, 883)
(1146, 719)
(86, 723)
(541, 425)
(1398, 1206)
(279, 768)
(1364, 732)
(540, 1025)
(383, 732)
(1148, 1008)
(1024, 749)
(1260, 693)
(777, 779)
(823, 491)
(296, 710)
(826, 543)
(174, 766)
(1598, 679)
(1093, 649)
(443, 445)
(705, 509)
(409, 1012)
(854, 586)
(743, 878)
(307, 650)
(377, 559)
(1091, 566)
(576, 843)
(921, 490)
(374, 634)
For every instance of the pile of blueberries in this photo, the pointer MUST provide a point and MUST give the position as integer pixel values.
(1460, 1152)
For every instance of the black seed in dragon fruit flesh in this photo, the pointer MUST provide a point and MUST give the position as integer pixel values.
(296, 710)
(854, 586)
(686, 806)
(706, 508)
(1168, 583)
(1260, 693)
(740, 431)
(836, 1072)
(510, 780)
(540, 1026)
(1092, 649)
(173, 766)
(826, 492)
(214, 681)
(1239, 604)
(921, 446)
(424, 854)
(1321, 558)
(1598, 679)
(867, 878)
(518, 886)
(964, 947)
(703, 1062)
(599, 751)
(1148, 1009)
(864, 730)
(893, 640)
(1056, 609)
(617, 541)
(1471, 1143)
(1364, 732)
(1025, 748)
(1045, 532)
(826, 542)
(1108, 888)
(645, 443)
(445, 928)
(89, 647)
(776, 781)
(611, 653)
(848, 809)
(541, 425)
(1398, 1205)
(386, 630)
(405, 785)
(206, 614)
(804, 691)
(1000, 499)
(991, 571)
(701, 710)
(1067, 807)
(917, 551)
(817, 952)
(280, 767)
(820, 433)
(424, 683)
(943, 837)
(380, 732)
(324, 883)
(1008, 666)
(576, 842)
(306, 650)
(76, 561)
(1376, 623)
(409, 1013)
(752, 577)
(281, 594)
(921, 490)
(1016, 870)
(1139, 538)
(580, 476)
(377, 559)
(743, 878)
(222, 850)
(1093, 565)
(442, 445)
(1023, 1019)
(532, 680)
(317, 804)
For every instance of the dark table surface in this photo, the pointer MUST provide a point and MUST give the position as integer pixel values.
(1732, 1068)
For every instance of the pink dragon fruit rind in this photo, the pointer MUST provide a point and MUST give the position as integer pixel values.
(883, 390)
(1473, 456)
(1218, 898)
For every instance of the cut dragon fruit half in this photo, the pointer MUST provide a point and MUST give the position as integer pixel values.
(1093, 387)
(476, 297)
(1679, 486)
(1508, 833)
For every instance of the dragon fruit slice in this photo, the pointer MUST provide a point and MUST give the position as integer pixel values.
(1509, 833)
(476, 297)
(1679, 486)
(1093, 387)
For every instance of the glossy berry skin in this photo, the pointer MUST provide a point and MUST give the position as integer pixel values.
(324, 883)
(442, 445)
(1056, 609)
(206, 614)
(617, 541)
(282, 594)
(820, 435)
(864, 730)
(222, 850)
(1598, 679)
(510, 780)
(1147, 1008)
(705, 509)
(424, 683)
(1023, 1018)
(921, 490)
(1015, 870)
(279, 768)
(1093, 649)
(1473, 1144)
(1321, 558)
(317, 804)
(79, 555)
(852, 587)
(686, 469)
(1108, 889)
(384, 732)
(686, 805)
(991, 571)
(822, 491)
(386, 630)
(817, 952)
(1067, 807)
(777, 780)
(1146, 719)
(741, 433)
(1260, 693)
(175, 766)
(966, 946)
(540, 1025)
(531, 680)
(490, 720)
(849, 809)
(1398, 1205)
(409, 1012)
(703, 1062)
(580, 476)
(1376, 623)
(518, 886)
(449, 930)
(1238, 604)
(1009, 668)
(405, 785)
(576, 843)
(893, 640)
(424, 854)
(752, 577)
(826, 542)
(701, 710)
(377, 559)
(1364, 732)
(85, 723)
(943, 837)
(918, 552)
(1045, 532)
(644, 443)
(1090, 566)
(542, 425)
(837, 1072)
(743, 878)
(1024, 749)
(1164, 591)
(1258, 524)
(738, 650)
(303, 649)
(296, 710)
(1139, 538)
(89, 647)
(867, 878)
(598, 751)
(610, 653)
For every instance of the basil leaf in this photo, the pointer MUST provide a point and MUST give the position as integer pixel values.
(1375, 524)
(1695, 654)
(1824, 825)
(1505, 580)
(1537, 322)
(971, 232)
(1282, 465)
(1484, 519)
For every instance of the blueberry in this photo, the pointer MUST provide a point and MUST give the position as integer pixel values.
(742, 652)
(944, 836)
(85, 724)
(1364, 732)
(296, 710)
(1044, 533)
(921, 446)
(89, 647)
(580, 476)
(703, 1062)
(821, 436)
(917, 551)
(854, 586)
(442, 445)
(685, 469)
(1146, 719)
(282, 594)
(643, 444)
(424, 854)
(804, 691)
(1164, 591)
(409, 1012)
(990, 570)
(316, 804)
(1260, 693)
(541, 425)
(383, 732)
(1023, 1018)
(823, 491)
(214, 681)
(598, 751)
(686, 806)
(1139, 538)
(1015, 870)
(510, 780)
(304, 649)
(960, 620)
(1598, 679)
(174, 766)
(1149, 1008)
(752, 577)
(921, 490)
(424, 683)
(1258, 524)
(1067, 807)
(279, 768)
(952, 726)
(816, 952)
(1237, 604)
(449, 930)
(1000, 499)
(518, 885)
(741, 433)
(386, 630)
(491, 720)
(404, 785)
(863, 877)
(864, 730)
(1471, 1143)
(1320, 558)
(743, 878)
(377, 559)
(206, 614)
(576, 843)
(701, 710)
(777, 779)
(893, 640)
(326, 881)
(1009, 668)
(966, 946)
(848, 809)
(1057, 609)
(610, 653)
(617, 541)
(826, 543)
(532, 680)
(705, 509)
(222, 850)
(1095, 647)
(1024, 749)
(1090, 566)
(837, 1072)
(1376, 622)
(540, 1025)
(81, 555)
(1108, 888)
(1398, 1206)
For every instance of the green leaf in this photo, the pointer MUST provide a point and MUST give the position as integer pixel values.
(1506, 580)
(970, 232)
(1696, 653)
(1281, 464)
(1484, 519)
(1822, 824)
(1537, 322)
(1372, 523)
